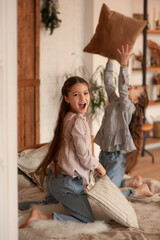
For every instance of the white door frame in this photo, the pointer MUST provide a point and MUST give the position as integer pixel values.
(8, 120)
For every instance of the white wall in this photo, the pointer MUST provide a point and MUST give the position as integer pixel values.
(8, 120)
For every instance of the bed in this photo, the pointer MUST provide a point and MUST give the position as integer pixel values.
(106, 226)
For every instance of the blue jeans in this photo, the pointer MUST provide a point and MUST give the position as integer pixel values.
(114, 163)
(69, 192)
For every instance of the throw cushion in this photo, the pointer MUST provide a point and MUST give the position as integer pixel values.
(29, 160)
(113, 30)
(115, 205)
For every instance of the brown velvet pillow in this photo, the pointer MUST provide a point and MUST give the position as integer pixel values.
(113, 30)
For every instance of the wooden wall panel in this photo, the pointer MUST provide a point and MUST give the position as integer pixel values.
(28, 72)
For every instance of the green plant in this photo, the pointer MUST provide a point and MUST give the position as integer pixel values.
(97, 91)
(49, 15)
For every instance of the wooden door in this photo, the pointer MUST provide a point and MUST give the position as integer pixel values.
(28, 72)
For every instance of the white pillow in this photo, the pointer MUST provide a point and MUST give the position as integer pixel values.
(29, 160)
(108, 196)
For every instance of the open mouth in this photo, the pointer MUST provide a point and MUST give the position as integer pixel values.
(82, 105)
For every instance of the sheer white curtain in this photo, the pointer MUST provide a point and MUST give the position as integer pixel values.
(8, 120)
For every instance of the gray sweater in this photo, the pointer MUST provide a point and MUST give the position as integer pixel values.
(114, 134)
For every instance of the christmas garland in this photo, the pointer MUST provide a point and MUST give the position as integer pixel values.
(49, 15)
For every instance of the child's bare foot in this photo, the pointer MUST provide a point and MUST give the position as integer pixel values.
(134, 182)
(143, 190)
(35, 215)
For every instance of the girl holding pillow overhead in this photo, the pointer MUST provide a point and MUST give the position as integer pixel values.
(120, 135)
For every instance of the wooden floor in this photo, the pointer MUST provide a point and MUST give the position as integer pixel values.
(146, 168)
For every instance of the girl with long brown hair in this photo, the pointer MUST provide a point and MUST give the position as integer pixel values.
(69, 159)
(120, 134)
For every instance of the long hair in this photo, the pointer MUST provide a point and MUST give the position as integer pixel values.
(57, 140)
(136, 131)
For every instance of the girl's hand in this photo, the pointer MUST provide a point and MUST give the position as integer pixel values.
(101, 172)
(125, 55)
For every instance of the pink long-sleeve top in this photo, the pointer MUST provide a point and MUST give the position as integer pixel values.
(75, 156)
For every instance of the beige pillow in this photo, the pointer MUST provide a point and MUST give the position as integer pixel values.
(115, 205)
(29, 160)
(113, 30)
